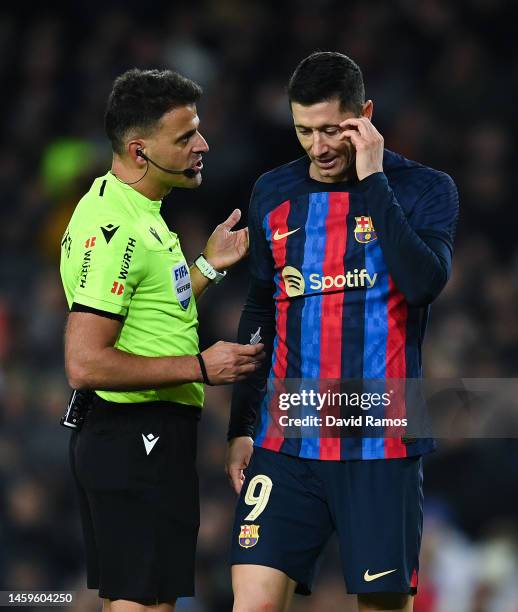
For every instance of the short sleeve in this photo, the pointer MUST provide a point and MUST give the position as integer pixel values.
(260, 257)
(437, 210)
(108, 268)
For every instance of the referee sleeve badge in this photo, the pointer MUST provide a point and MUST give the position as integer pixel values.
(182, 284)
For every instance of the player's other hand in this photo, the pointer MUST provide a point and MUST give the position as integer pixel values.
(228, 362)
(225, 247)
(239, 453)
(368, 143)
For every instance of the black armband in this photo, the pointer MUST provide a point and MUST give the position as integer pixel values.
(203, 369)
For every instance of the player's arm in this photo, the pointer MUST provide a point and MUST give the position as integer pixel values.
(418, 255)
(257, 323)
(419, 261)
(92, 361)
(224, 248)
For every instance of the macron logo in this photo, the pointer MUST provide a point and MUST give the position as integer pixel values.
(149, 442)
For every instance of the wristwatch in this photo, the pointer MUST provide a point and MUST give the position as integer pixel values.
(208, 270)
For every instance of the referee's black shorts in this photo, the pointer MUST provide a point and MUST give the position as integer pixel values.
(134, 467)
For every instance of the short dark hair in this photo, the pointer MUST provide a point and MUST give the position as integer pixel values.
(139, 99)
(326, 75)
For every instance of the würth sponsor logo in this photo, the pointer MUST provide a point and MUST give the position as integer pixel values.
(87, 258)
(90, 243)
(118, 288)
(126, 259)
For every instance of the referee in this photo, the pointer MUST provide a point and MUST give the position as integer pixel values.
(132, 337)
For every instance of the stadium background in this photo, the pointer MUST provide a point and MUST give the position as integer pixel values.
(442, 76)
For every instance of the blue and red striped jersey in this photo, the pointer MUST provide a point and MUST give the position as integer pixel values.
(338, 312)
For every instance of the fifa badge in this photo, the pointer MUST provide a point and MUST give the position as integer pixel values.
(364, 230)
(182, 283)
(249, 535)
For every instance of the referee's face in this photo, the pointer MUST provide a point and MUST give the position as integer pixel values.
(177, 144)
(318, 130)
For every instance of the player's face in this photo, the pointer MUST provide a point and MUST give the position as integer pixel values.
(318, 131)
(177, 144)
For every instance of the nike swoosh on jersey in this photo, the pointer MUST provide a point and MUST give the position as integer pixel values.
(149, 444)
(370, 577)
(279, 236)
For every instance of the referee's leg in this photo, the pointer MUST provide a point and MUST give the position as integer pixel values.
(142, 505)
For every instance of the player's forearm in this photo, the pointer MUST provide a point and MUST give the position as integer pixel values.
(257, 323)
(419, 265)
(111, 369)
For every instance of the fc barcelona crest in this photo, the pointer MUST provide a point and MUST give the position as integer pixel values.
(364, 230)
(249, 535)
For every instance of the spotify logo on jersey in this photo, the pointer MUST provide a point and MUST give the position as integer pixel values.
(293, 281)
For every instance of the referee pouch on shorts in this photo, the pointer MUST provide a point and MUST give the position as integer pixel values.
(78, 406)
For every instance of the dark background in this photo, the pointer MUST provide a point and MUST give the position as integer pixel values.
(443, 77)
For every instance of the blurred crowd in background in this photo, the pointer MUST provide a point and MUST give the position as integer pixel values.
(442, 75)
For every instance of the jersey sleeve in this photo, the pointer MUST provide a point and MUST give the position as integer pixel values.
(108, 267)
(418, 260)
(260, 257)
(437, 210)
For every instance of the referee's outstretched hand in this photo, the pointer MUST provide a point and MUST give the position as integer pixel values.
(228, 362)
(226, 246)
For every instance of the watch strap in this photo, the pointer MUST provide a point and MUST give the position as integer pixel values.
(208, 270)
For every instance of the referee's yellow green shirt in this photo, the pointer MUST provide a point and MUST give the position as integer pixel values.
(118, 256)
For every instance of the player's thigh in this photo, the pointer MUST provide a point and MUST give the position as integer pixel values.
(377, 506)
(122, 605)
(395, 602)
(282, 520)
(259, 588)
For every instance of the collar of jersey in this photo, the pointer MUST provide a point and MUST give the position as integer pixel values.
(133, 195)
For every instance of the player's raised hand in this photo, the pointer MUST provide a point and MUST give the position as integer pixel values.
(239, 453)
(225, 247)
(228, 362)
(368, 143)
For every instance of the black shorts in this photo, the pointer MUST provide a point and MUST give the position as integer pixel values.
(134, 467)
(290, 506)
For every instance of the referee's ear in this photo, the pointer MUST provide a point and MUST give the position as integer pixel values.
(135, 148)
